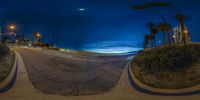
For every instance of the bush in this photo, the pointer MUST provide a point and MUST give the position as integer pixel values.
(3, 50)
(174, 67)
(167, 59)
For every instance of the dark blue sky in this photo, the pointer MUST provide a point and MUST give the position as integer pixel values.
(104, 22)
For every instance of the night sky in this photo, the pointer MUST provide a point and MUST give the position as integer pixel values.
(98, 25)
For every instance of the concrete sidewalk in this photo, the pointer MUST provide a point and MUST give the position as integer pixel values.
(24, 90)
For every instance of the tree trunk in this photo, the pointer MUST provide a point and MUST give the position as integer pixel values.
(169, 38)
(164, 38)
(183, 32)
(151, 43)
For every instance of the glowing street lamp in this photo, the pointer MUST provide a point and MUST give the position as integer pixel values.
(38, 35)
(174, 36)
(17, 41)
(185, 31)
(159, 41)
(12, 27)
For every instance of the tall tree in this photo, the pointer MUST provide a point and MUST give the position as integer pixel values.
(169, 29)
(181, 18)
(146, 41)
(163, 28)
(153, 31)
(150, 5)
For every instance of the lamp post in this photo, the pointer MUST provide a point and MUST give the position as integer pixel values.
(11, 27)
(38, 37)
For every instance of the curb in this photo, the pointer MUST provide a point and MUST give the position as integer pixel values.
(8, 83)
(151, 91)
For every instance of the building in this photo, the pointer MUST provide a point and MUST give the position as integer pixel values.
(178, 35)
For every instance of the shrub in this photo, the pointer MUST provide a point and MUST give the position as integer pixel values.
(174, 67)
(169, 59)
(3, 50)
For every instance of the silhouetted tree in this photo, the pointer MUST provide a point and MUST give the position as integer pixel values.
(146, 41)
(149, 6)
(154, 32)
(163, 28)
(169, 29)
(181, 18)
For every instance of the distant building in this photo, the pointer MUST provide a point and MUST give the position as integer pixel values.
(178, 36)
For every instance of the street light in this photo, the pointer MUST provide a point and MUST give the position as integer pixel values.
(185, 31)
(159, 41)
(12, 27)
(17, 41)
(174, 36)
(38, 35)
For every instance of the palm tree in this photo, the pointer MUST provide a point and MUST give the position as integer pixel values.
(163, 28)
(149, 6)
(181, 18)
(151, 25)
(154, 32)
(169, 30)
(146, 41)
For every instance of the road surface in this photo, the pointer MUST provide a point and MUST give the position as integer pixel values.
(69, 74)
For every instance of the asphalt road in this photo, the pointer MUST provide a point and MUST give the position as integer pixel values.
(70, 74)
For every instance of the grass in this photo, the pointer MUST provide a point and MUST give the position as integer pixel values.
(6, 61)
(174, 67)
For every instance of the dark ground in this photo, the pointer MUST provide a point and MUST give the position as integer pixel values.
(71, 74)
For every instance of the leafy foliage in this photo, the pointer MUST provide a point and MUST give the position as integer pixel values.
(174, 67)
(3, 50)
(150, 5)
(169, 59)
(159, 4)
